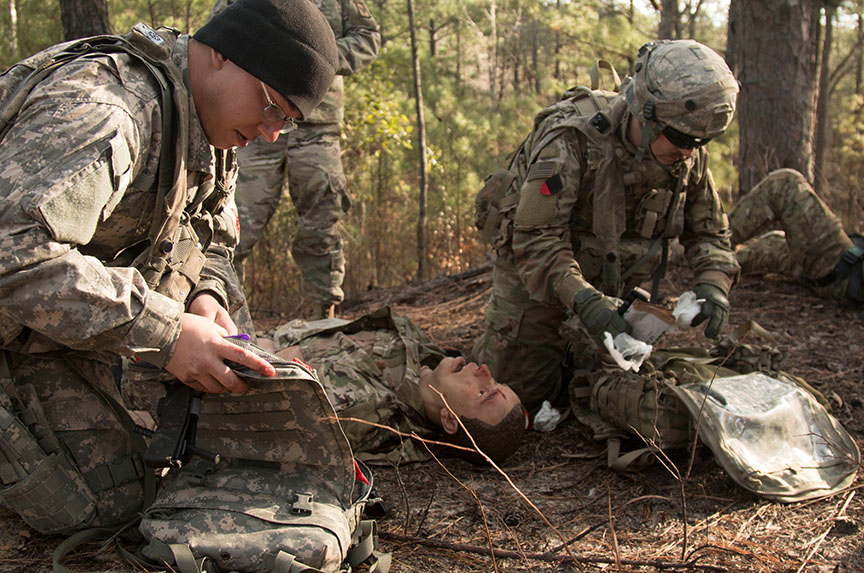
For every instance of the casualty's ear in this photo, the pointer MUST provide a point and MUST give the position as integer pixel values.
(449, 422)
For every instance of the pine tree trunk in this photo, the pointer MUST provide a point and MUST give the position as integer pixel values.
(13, 33)
(821, 138)
(772, 51)
(83, 18)
(421, 136)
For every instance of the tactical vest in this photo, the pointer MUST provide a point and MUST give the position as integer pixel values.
(172, 260)
(611, 174)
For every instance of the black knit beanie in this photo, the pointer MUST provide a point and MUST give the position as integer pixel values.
(287, 44)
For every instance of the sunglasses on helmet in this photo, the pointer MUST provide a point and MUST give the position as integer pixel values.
(682, 140)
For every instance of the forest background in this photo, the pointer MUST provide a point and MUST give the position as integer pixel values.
(456, 86)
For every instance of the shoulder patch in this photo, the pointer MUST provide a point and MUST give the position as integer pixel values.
(552, 186)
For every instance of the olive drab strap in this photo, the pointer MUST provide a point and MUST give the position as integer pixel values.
(594, 73)
(171, 194)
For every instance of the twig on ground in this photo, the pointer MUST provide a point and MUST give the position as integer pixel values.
(512, 535)
(412, 435)
(476, 498)
(407, 521)
(550, 556)
(817, 543)
(506, 477)
(611, 517)
(750, 520)
(426, 510)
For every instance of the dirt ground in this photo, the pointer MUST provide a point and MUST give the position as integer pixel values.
(640, 520)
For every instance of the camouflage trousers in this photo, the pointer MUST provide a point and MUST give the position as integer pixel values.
(520, 342)
(814, 236)
(68, 461)
(309, 160)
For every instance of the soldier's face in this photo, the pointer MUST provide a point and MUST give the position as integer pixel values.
(231, 106)
(472, 392)
(667, 152)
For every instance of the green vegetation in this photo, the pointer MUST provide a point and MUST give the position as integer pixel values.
(484, 78)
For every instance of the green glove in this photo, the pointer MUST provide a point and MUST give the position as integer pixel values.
(715, 308)
(599, 314)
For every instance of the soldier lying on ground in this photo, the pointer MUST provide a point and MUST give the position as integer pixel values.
(812, 245)
(589, 204)
(381, 368)
(117, 225)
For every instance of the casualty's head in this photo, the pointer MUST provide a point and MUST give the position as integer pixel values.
(682, 94)
(491, 412)
(267, 62)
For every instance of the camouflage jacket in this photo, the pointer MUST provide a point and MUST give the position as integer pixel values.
(358, 40)
(580, 189)
(370, 369)
(77, 201)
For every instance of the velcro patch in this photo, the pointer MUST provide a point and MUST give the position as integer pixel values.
(552, 185)
(543, 170)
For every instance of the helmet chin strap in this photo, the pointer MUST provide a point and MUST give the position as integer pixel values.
(650, 131)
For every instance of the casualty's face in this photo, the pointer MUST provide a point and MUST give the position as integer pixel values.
(472, 392)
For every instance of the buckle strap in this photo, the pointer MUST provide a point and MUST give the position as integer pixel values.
(365, 549)
(115, 473)
(287, 563)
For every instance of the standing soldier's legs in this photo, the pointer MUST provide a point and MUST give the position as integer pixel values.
(814, 234)
(66, 460)
(259, 188)
(318, 188)
(520, 343)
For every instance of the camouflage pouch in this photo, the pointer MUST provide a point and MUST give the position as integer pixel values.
(770, 431)
(288, 495)
(492, 202)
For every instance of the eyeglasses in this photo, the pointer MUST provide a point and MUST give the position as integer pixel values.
(275, 114)
(683, 140)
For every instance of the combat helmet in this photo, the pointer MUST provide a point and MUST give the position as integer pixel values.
(683, 89)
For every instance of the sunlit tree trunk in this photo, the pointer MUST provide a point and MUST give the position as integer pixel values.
(773, 52)
(669, 20)
(557, 47)
(13, 33)
(821, 136)
(493, 50)
(421, 136)
(82, 18)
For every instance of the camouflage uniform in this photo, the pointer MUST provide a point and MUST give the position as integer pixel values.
(78, 188)
(310, 159)
(810, 244)
(370, 369)
(575, 178)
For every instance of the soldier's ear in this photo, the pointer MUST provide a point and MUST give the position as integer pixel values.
(217, 60)
(449, 422)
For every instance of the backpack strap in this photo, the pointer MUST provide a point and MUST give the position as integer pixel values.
(619, 463)
(594, 73)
